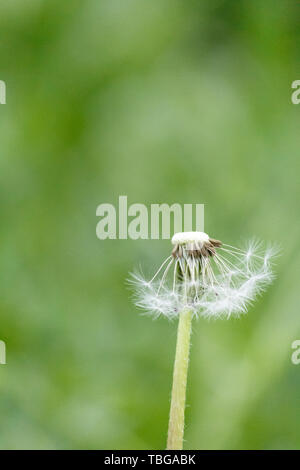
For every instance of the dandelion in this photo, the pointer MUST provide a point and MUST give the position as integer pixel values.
(201, 278)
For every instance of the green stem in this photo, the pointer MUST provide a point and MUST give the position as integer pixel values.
(176, 421)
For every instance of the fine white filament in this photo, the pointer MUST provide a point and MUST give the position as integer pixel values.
(220, 285)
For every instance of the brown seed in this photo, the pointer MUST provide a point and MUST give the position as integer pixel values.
(216, 243)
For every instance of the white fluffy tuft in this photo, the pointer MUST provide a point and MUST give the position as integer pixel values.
(220, 286)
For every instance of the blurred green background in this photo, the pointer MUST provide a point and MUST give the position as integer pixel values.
(162, 101)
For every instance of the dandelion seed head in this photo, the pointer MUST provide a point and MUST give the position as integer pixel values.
(208, 277)
(182, 238)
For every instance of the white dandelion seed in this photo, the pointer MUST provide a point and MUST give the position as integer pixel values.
(202, 277)
(208, 277)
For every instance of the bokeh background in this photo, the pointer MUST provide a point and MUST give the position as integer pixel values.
(162, 101)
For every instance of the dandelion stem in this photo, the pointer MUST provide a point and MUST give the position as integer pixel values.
(176, 421)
